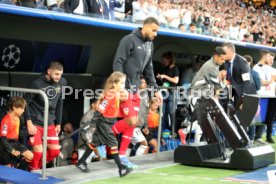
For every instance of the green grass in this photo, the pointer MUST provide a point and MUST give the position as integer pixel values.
(175, 175)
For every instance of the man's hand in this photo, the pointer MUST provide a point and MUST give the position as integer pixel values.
(31, 128)
(58, 129)
(15, 153)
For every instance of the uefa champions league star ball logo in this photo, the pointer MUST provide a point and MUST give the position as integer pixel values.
(11, 56)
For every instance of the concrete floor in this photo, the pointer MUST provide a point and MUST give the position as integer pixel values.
(107, 169)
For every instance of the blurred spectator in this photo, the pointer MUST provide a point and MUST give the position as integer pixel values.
(182, 27)
(111, 5)
(67, 145)
(98, 8)
(140, 11)
(187, 76)
(192, 28)
(186, 15)
(169, 78)
(51, 4)
(79, 7)
(225, 19)
(26, 3)
(87, 130)
(153, 9)
(172, 16)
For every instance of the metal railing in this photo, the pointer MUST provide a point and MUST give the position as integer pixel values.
(46, 112)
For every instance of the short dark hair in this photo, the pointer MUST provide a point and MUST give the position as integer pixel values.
(229, 45)
(17, 102)
(93, 100)
(151, 20)
(222, 67)
(192, 24)
(169, 55)
(248, 58)
(142, 77)
(56, 65)
(272, 54)
(180, 25)
(219, 51)
(264, 52)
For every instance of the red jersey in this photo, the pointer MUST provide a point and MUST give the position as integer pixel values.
(109, 106)
(10, 127)
(153, 119)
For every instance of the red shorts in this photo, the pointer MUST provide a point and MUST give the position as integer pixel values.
(51, 139)
(130, 107)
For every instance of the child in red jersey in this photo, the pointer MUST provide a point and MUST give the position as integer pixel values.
(10, 147)
(104, 117)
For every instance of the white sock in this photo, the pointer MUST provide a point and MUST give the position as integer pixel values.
(198, 133)
(141, 150)
(121, 156)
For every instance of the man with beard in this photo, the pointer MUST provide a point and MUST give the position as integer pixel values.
(51, 82)
(134, 58)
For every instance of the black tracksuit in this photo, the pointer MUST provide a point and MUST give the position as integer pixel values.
(130, 59)
(35, 109)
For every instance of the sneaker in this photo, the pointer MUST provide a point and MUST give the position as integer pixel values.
(182, 136)
(270, 140)
(259, 142)
(82, 167)
(102, 151)
(124, 170)
(127, 163)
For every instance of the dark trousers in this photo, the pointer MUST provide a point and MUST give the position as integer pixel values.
(271, 111)
(270, 114)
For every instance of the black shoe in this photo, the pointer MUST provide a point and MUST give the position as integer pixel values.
(124, 170)
(50, 165)
(82, 167)
(270, 140)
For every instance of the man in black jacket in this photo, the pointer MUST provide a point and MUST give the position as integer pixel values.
(51, 82)
(134, 58)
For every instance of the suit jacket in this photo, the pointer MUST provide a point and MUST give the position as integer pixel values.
(241, 78)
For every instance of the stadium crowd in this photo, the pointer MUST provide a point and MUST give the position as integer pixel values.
(234, 20)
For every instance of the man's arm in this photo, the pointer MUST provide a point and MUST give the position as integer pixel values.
(59, 108)
(29, 97)
(257, 80)
(245, 76)
(7, 146)
(149, 75)
(174, 79)
(59, 114)
(123, 51)
(148, 71)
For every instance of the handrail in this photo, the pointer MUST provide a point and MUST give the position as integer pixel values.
(159, 129)
(46, 112)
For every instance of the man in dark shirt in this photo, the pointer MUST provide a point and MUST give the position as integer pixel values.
(134, 58)
(51, 82)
